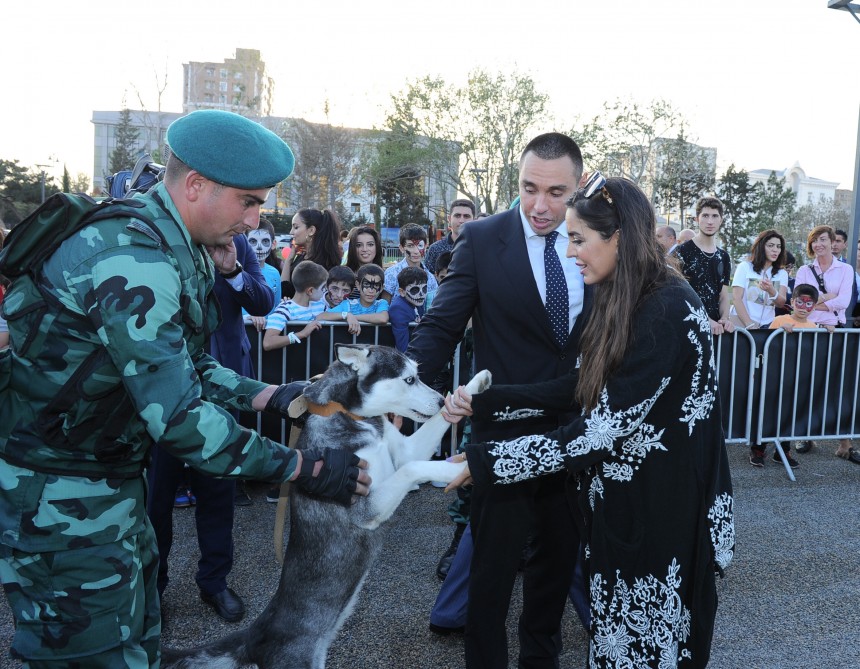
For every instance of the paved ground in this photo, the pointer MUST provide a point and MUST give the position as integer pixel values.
(791, 599)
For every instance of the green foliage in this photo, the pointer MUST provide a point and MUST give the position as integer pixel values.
(685, 174)
(622, 140)
(740, 200)
(447, 132)
(21, 190)
(125, 152)
(67, 180)
(776, 204)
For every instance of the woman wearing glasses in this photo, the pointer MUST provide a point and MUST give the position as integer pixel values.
(760, 283)
(653, 488)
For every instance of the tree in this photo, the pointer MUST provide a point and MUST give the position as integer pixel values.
(776, 204)
(685, 173)
(740, 202)
(327, 159)
(621, 140)
(447, 132)
(124, 154)
(67, 180)
(403, 201)
(21, 190)
(810, 215)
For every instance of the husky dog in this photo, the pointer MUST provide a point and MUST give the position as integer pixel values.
(331, 548)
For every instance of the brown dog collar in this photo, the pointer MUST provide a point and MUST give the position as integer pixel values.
(330, 409)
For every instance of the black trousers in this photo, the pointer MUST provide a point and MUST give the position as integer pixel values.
(503, 517)
(213, 517)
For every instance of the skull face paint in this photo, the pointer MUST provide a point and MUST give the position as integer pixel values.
(416, 294)
(261, 243)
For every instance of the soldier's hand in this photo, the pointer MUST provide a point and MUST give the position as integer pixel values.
(224, 257)
(279, 402)
(333, 473)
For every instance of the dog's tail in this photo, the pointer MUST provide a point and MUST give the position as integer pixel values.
(227, 653)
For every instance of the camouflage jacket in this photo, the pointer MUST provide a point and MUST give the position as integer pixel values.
(123, 310)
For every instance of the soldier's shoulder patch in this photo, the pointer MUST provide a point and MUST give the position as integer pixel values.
(147, 236)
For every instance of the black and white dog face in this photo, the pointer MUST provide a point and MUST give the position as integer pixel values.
(373, 381)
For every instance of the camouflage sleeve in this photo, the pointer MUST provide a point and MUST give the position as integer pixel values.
(151, 326)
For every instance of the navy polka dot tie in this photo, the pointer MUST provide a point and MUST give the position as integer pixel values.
(556, 290)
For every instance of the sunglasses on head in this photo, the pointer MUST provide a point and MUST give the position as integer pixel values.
(594, 183)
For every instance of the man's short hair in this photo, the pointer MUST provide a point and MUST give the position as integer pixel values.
(443, 261)
(670, 230)
(843, 234)
(307, 274)
(410, 275)
(802, 289)
(340, 273)
(462, 202)
(552, 145)
(412, 232)
(710, 202)
(370, 269)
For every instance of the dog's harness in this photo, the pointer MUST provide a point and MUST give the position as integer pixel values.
(331, 409)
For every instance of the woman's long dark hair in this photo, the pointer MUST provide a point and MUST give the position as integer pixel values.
(323, 248)
(757, 252)
(641, 268)
(352, 260)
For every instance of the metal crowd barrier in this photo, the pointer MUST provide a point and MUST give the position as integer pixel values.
(773, 386)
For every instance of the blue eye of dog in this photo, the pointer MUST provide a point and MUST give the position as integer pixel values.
(410, 380)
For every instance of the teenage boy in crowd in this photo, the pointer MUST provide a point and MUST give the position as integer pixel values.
(413, 246)
(461, 212)
(706, 266)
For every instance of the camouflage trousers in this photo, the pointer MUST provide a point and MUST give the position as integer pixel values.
(85, 607)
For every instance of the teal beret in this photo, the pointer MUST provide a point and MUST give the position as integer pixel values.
(230, 149)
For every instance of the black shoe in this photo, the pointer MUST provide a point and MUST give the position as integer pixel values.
(757, 458)
(804, 447)
(794, 464)
(446, 631)
(273, 494)
(227, 604)
(241, 497)
(448, 557)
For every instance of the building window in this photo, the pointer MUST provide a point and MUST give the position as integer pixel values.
(356, 207)
(209, 85)
(223, 72)
(223, 87)
(237, 88)
(237, 75)
(210, 71)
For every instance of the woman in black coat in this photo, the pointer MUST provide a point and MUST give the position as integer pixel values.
(647, 452)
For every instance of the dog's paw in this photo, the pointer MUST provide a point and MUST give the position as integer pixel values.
(480, 382)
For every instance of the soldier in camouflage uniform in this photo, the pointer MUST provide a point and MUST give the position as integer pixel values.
(107, 358)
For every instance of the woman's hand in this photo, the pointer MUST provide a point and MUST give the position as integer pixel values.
(457, 405)
(465, 477)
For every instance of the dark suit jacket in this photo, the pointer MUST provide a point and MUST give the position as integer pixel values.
(490, 279)
(229, 344)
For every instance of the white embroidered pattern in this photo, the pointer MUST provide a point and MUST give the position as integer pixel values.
(640, 624)
(525, 457)
(722, 521)
(516, 414)
(595, 489)
(700, 402)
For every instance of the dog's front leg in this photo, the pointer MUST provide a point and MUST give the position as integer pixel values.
(422, 444)
(386, 497)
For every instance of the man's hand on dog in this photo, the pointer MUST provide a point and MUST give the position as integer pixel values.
(334, 473)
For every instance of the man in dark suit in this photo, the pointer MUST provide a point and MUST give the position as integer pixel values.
(239, 284)
(498, 278)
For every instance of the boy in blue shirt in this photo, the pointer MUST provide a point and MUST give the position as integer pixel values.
(368, 308)
(309, 280)
(408, 305)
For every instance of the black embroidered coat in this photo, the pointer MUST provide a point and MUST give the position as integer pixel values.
(655, 491)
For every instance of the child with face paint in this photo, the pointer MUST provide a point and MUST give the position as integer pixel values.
(408, 305)
(368, 308)
(413, 246)
(262, 241)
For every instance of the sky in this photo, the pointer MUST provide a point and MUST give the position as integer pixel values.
(767, 83)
